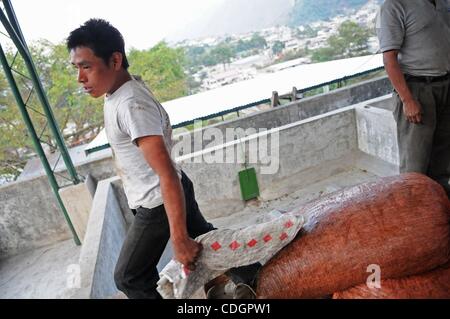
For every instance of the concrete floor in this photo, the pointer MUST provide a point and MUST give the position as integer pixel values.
(39, 274)
(44, 273)
(255, 211)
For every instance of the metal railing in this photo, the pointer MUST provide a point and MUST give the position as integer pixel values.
(268, 100)
(14, 33)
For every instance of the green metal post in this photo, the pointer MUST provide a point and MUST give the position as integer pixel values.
(13, 20)
(35, 139)
(53, 125)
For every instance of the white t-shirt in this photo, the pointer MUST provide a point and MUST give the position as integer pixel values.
(132, 112)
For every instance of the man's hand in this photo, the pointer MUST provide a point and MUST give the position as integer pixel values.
(412, 111)
(411, 108)
(187, 252)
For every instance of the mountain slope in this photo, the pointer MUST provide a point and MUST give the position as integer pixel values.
(237, 16)
(307, 11)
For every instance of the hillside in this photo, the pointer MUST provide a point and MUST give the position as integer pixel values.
(307, 11)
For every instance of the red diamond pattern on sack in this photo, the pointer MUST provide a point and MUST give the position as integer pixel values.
(235, 245)
(289, 224)
(267, 238)
(216, 246)
(252, 243)
(283, 236)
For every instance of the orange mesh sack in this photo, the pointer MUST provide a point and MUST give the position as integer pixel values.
(400, 223)
(432, 285)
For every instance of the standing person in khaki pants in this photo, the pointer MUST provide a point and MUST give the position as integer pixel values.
(414, 37)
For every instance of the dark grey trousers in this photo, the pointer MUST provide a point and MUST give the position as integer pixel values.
(136, 274)
(425, 148)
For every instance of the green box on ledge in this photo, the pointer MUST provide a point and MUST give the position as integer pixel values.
(249, 184)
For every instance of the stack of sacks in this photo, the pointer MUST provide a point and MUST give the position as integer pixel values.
(399, 223)
(434, 284)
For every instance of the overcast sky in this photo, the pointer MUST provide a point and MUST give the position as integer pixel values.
(142, 22)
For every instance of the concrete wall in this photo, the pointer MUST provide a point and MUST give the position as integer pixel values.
(377, 137)
(296, 111)
(377, 133)
(105, 234)
(309, 151)
(104, 237)
(30, 217)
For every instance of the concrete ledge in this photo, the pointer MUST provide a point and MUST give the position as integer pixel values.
(105, 234)
(104, 237)
(30, 217)
(377, 132)
(298, 110)
(308, 151)
(77, 200)
(117, 186)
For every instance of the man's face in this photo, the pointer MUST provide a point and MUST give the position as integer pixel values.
(96, 77)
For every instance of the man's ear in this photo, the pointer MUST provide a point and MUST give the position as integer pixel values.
(116, 60)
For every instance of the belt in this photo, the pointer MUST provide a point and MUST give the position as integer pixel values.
(427, 79)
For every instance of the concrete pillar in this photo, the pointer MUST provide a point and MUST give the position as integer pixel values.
(274, 101)
(294, 94)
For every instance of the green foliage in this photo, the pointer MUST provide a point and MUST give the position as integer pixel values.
(257, 42)
(351, 41)
(292, 55)
(307, 11)
(323, 54)
(69, 103)
(161, 67)
(222, 53)
(308, 32)
(278, 47)
(13, 133)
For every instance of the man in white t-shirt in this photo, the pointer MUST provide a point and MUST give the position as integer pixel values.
(140, 135)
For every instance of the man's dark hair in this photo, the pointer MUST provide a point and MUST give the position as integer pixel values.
(101, 37)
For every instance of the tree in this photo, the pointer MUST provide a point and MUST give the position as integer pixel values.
(278, 47)
(323, 54)
(222, 54)
(257, 42)
(161, 67)
(307, 32)
(13, 134)
(242, 46)
(305, 12)
(69, 106)
(351, 41)
(193, 56)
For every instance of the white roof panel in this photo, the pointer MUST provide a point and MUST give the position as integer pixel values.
(261, 88)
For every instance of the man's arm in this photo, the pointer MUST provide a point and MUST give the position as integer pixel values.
(411, 107)
(186, 250)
